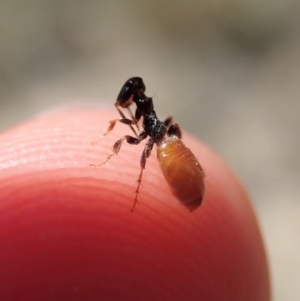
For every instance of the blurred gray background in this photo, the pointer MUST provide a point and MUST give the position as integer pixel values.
(227, 70)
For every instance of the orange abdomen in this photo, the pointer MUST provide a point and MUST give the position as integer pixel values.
(182, 172)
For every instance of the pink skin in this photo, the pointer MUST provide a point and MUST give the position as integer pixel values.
(67, 233)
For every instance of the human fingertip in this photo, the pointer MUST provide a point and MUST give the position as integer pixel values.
(69, 232)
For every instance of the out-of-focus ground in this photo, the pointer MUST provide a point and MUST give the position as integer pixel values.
(227, 70)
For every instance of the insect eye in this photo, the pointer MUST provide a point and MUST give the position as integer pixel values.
(132, 88)
(125, 92)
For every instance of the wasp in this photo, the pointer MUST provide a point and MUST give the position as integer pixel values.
(180, 167)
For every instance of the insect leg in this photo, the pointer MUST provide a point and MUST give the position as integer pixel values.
(124, 117)
(133, 118)
(174, 130)
(168, 121)
(145, 155)
(118, 144)
(112, 124)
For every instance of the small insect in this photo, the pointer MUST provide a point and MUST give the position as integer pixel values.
(178, 164)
